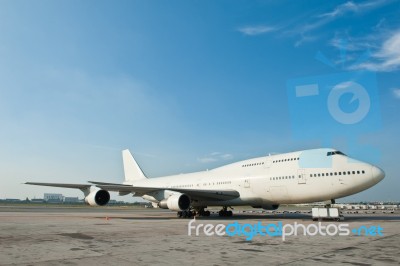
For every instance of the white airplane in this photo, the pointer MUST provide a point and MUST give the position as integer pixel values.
(265, 182)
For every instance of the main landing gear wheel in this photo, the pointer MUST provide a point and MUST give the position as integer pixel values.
(225, 213)
(204, 213)
(201, 212)
(184, 214)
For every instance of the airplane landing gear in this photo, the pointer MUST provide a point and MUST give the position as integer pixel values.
(224, 212)
(201, 212)
(184, 214)
(193, 213)
(329, 204)
(204, 213)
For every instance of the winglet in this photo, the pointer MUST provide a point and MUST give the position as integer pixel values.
(131, 168)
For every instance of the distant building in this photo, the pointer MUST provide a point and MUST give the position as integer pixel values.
(71, 200)
(37, 200)
(13, 200)
(53, 198)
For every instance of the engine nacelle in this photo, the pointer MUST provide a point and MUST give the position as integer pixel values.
(98, 198)
(269, 207)
(176, 202)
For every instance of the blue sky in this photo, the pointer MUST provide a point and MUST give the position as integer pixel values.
(186, 85)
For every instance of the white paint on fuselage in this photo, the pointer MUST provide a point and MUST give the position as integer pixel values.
(297, 177)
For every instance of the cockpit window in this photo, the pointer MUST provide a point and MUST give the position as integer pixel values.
(330, 153)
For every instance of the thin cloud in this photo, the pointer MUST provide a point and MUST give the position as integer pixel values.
(350, 6)
(256, 30)
(303, 40)
(215, 157)
(361, 43)
(319, 21)
(313, 22)
(387, 58)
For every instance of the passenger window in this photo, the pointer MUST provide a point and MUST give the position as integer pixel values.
(344, 173)
(363, 171)
(354, 172)
(358, 172)
(340, 173)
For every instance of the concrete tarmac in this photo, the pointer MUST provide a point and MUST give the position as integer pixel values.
(126, 236)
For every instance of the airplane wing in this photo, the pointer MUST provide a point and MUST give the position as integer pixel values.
(196, 194)
(79, 186)
(200, 194)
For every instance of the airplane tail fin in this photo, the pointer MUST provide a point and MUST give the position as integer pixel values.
(131, 168)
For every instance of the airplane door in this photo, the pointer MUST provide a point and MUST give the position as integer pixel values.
(301, 176)
(247, 183)
(267, 163)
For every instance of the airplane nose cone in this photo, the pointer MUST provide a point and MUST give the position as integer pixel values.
(377, 173)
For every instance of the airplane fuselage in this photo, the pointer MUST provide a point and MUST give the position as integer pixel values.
(297, 177)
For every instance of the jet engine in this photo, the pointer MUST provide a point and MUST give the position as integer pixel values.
(98, 198)
(269, 207)
(176, 202)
